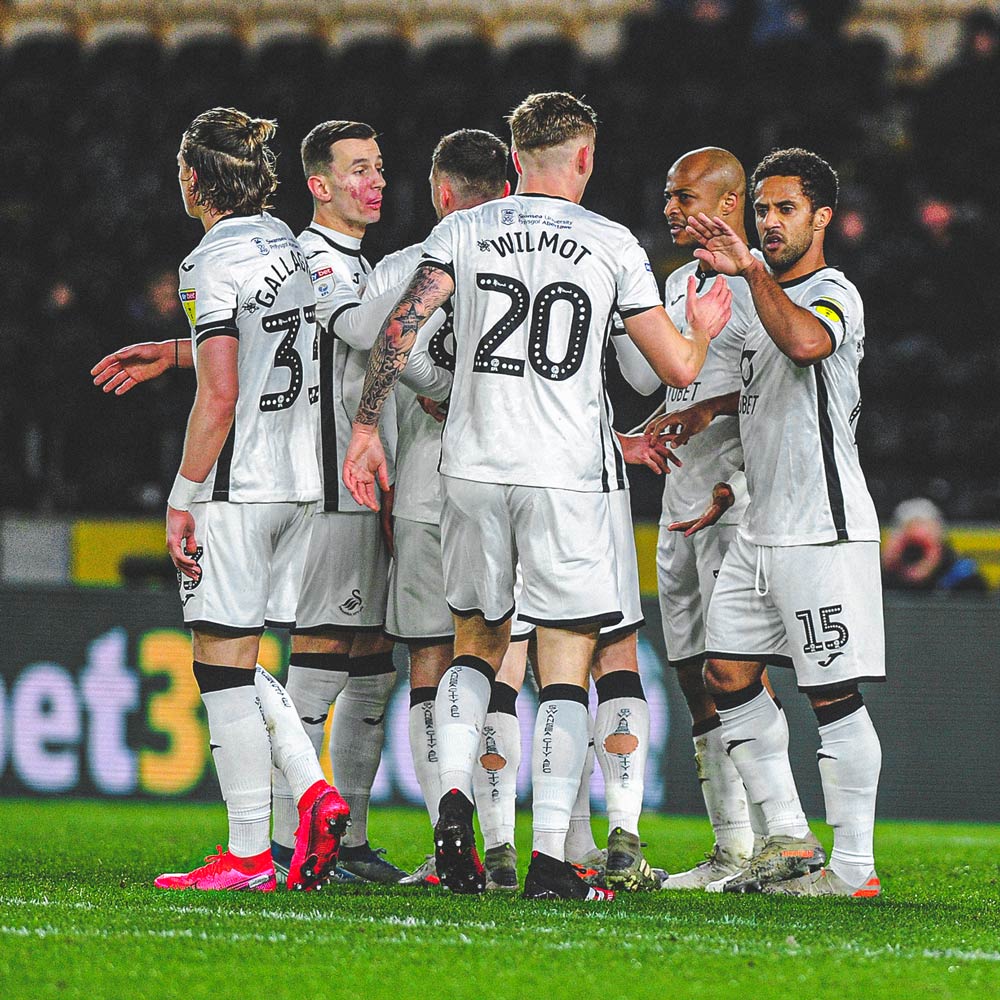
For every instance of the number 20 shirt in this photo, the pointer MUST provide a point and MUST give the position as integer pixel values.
(537, 279)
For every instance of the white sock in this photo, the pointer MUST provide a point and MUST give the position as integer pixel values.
(241, 751)
(314, 682)
(755, 736)
(580, 837)
(358, 735)
(621, 743)
(494, 779)
(424, 747)
(723, 791)
(558, 755)
(850, 760)
(291, 749)
(463, 698)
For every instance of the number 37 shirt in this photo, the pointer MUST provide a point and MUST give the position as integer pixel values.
(537, 279)
(248, 279)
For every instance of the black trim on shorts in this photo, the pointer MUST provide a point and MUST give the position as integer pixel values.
(328, 423)
(606, 638)
(834, 490)
(224, 465)
(285, 625)
(419, 641)
(686, 661)
(607, 618)
(526, 637)
(335, 627)
(822, 689)
(768, 659)
(448, 269)
(336, 246)
(472, 612)
(224, 631)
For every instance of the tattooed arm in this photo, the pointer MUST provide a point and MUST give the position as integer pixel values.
(429, 289)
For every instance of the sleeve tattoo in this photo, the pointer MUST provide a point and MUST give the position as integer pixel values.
(429, 288)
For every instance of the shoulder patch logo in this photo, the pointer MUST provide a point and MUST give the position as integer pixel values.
(262, 248)
(507, 216)
(188, 296)
(746, 367)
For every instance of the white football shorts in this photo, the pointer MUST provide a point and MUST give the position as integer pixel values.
(819, 604)
(252, 557)
(563, 541)
(686, 569)
(346, 579)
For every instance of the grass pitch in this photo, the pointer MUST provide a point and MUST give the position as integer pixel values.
(79, 919)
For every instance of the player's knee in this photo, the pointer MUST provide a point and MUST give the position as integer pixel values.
(691, 678)
(720, 676)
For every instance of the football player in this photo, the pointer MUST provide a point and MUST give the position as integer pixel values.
(528, 457)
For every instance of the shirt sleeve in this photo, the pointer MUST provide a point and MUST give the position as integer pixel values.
(422, 374)
(637, 289)
(439, 248)
(635, 367)
(210, 297)
(832, 305)
(334, 288)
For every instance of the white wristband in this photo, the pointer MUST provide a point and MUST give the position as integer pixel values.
(182, 494)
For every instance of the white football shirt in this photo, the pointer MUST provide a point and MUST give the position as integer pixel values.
(797, 425)
(418, 446)
(537, 279)
(715, 455)
(248, 278)
(339, 275)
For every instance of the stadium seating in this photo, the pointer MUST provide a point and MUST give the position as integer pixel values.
(97, 93)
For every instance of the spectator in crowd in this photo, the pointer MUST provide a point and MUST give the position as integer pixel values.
(917, 555)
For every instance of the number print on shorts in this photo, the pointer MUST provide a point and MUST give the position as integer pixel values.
(829, 627)
(538, 333)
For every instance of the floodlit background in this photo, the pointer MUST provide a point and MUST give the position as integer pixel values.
(900, 97)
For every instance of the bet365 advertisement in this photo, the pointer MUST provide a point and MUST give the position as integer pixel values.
(97, 699)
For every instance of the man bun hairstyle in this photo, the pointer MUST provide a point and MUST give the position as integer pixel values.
(550, 119)
(818, 178)
(474, 160)
(316, 154)
(236, 169)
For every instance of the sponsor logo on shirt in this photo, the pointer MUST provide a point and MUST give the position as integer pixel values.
(262, 248)
(321, 273)
(188, 296)
(507, 216)
(323, 289)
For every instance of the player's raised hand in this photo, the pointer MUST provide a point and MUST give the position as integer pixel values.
(363, 464)
(721, 249)
(709, 312)
(181, 543)
(722, 499)
(652, 452)
(126, 368)
(679, 426)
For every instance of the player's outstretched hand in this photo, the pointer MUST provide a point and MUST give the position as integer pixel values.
(181, 542)
(721, 249)
(651, 452)
(722, 499)
(363, 464)
(709, 312)
(680, 426)
(126, 368)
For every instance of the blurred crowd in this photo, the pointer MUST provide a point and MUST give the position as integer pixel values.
(94, 227)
